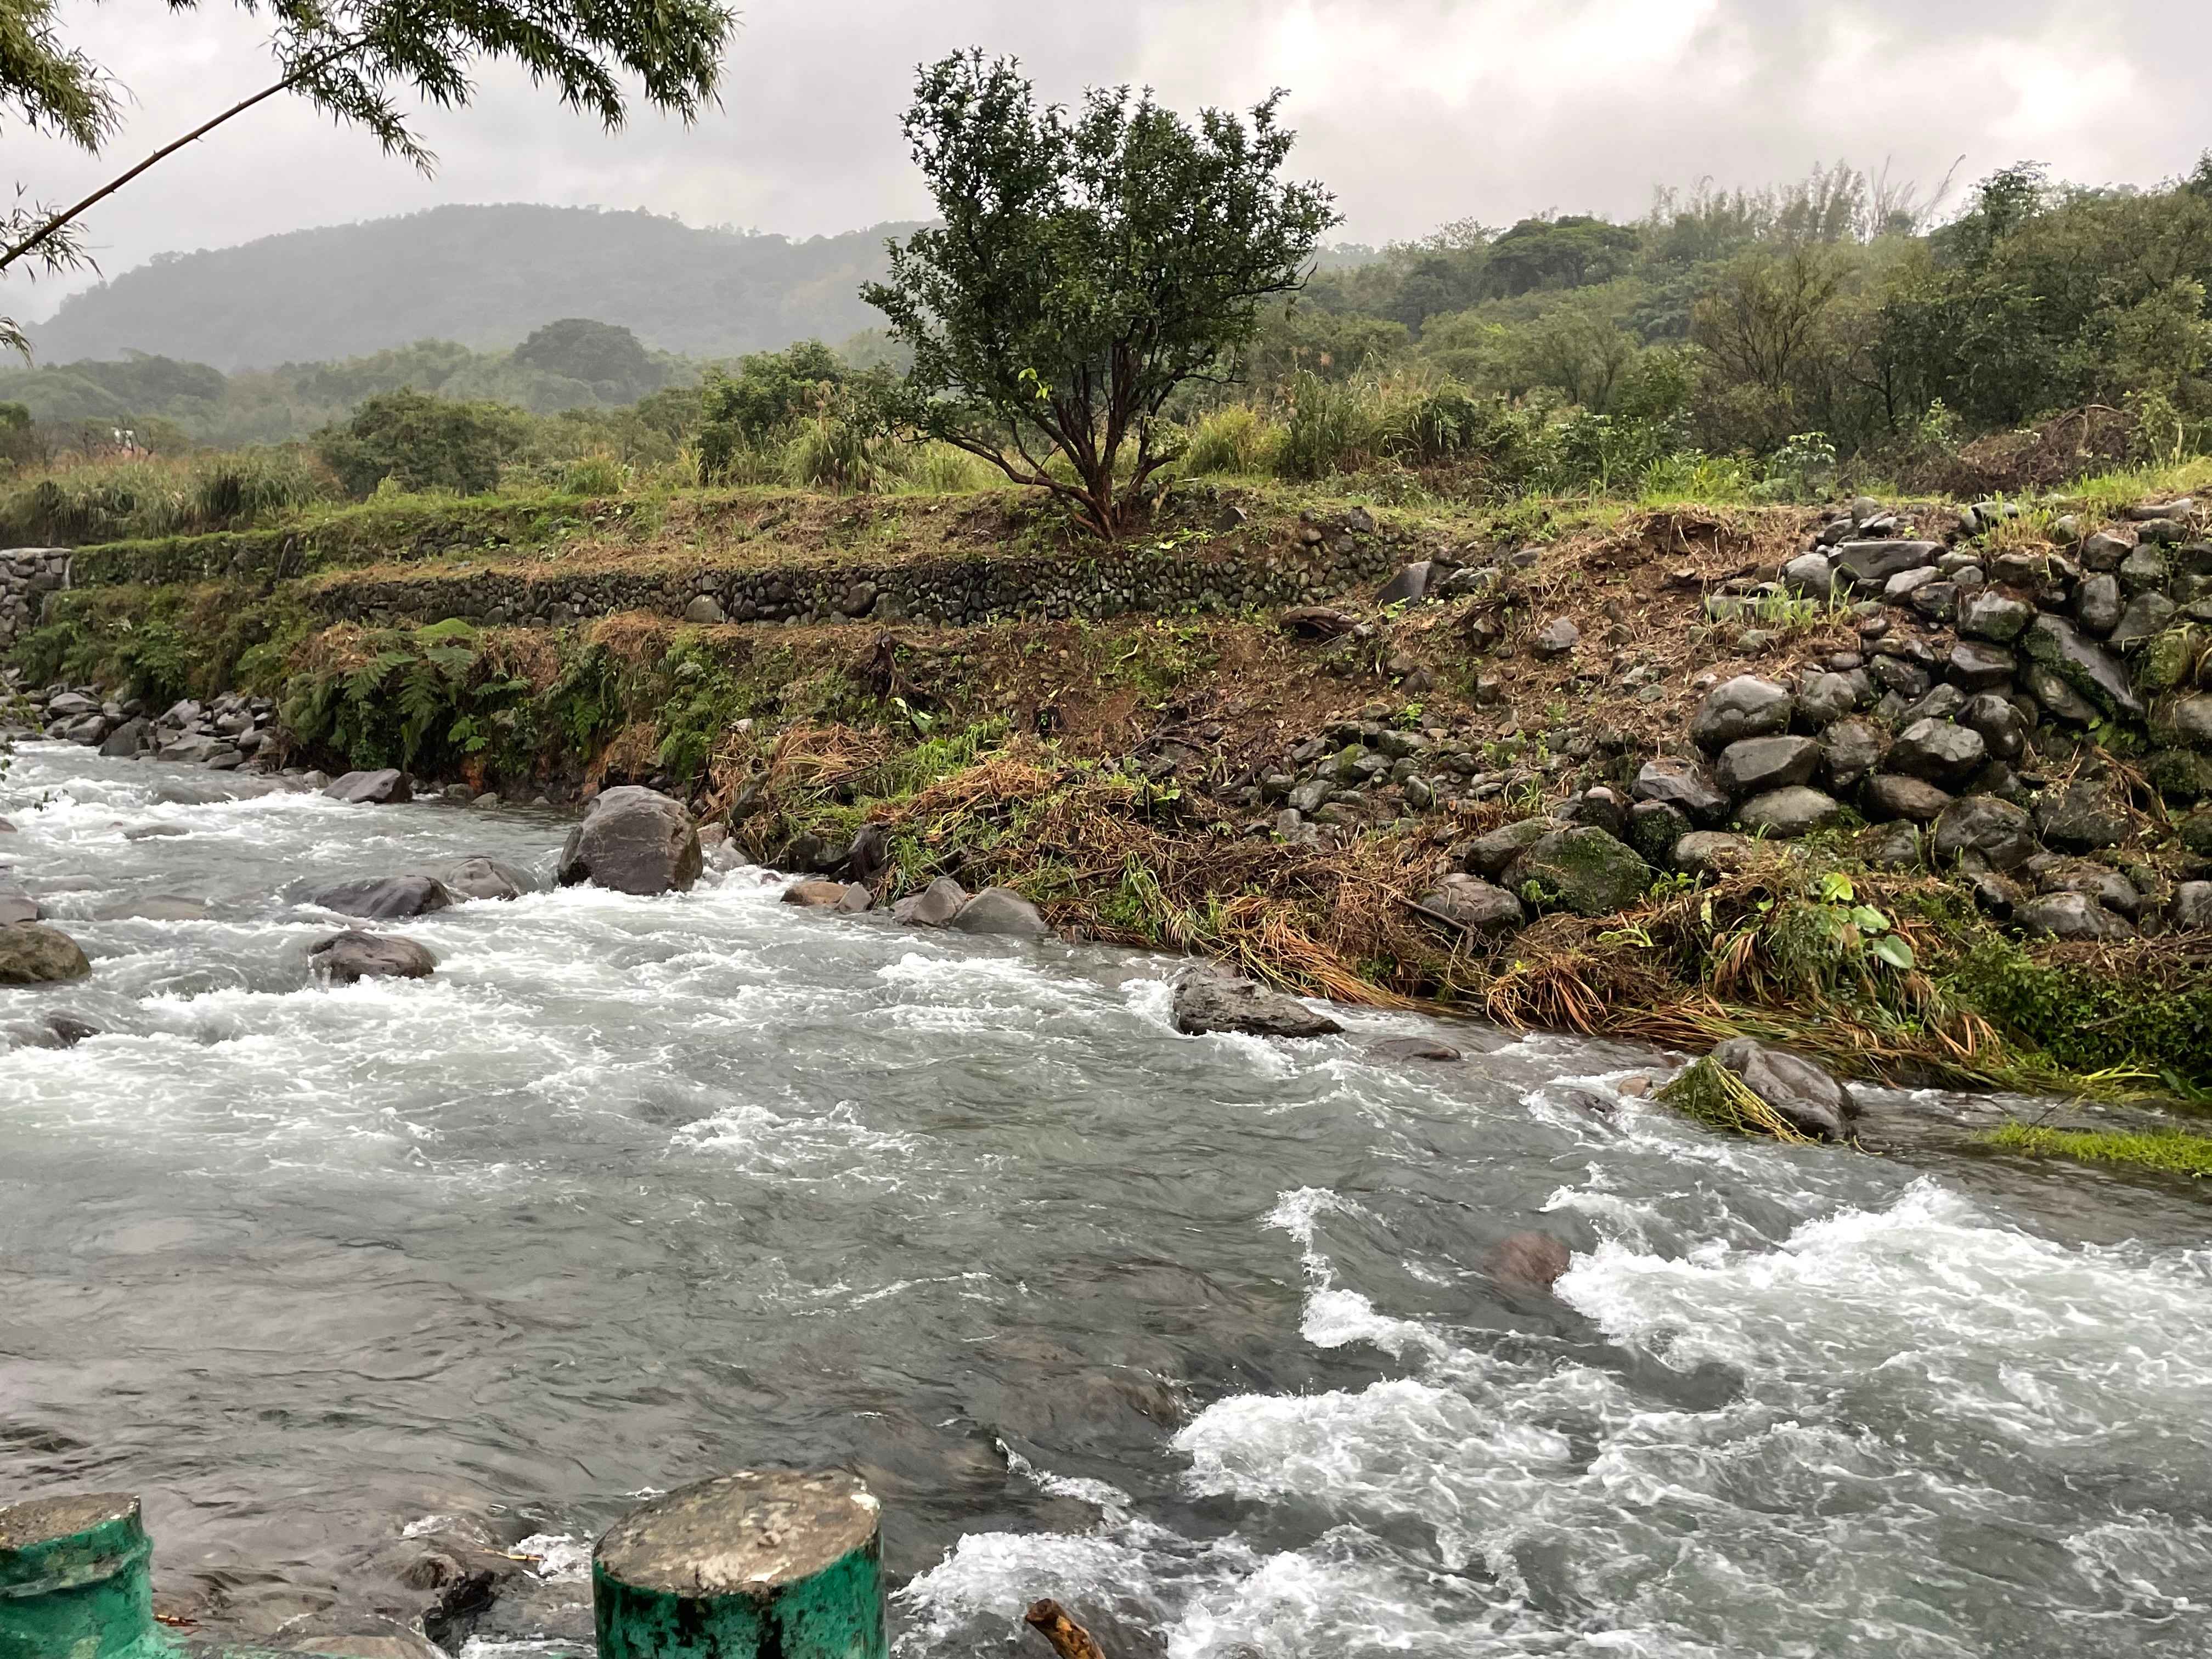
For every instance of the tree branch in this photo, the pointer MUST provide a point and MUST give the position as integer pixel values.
(66, 215)
(1069, 1640)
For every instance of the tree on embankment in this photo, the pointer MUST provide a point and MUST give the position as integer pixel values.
(1089, 262)
(356, 61)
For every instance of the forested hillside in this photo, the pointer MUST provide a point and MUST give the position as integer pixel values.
(482, 276)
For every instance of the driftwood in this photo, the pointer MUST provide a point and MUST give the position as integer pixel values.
(1069, 1640)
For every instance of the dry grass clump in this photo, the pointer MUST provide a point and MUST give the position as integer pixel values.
(1716, 1098)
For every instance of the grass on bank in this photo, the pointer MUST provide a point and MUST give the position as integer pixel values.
(2170, 1152)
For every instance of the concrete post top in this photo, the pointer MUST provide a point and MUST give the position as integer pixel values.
(746, 1534)
(44, 1520)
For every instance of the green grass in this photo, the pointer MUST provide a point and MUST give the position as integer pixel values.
(2171, 1152)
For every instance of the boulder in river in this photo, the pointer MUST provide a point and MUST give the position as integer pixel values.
(1527, 1263)
(344, 958)
(34, 955)
(634, 841)
(16, 905)
(818, 893)
(481, 876)
(383, 788)
(934, 906)
(1000, 910)
(1807, 1098)
(386, 898)
(1208, 997)
(1413, 1048)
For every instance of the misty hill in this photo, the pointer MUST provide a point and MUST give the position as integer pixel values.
(484, 276)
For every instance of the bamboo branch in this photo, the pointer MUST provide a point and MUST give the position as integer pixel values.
(1069, 1640)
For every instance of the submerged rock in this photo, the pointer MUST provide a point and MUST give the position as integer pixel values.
(344, 958)
(1413, 1048)
(386, 898)
(1527, 1263)
(30, 954)
(1003, 911)
(1208, 997)
(481, 876)
(634, 841)
(817, 894)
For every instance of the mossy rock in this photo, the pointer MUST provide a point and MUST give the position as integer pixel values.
(2196, 831)
(2180, 774)
(1581, 869)
(2164, 662)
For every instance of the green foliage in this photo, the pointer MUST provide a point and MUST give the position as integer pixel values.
(701, 699)
(1089, 263)
(2088, 1021)
(139, 499)
(2170, 1152)
(416, 442)
(609, 359)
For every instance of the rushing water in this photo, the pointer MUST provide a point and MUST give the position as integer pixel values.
(1200, 1335)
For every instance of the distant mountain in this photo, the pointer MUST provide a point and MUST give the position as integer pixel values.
(485, 276)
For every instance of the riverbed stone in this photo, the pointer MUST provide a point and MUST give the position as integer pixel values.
(386, 898)
(2070, 916)
(1488, 855)
(345, 958)
(1709, 853)
(1894, 795)
(385, 787)
(482, 877)
(933, 907)
(633, 840)
(815, 893)
(1002, 911)
(33, 954)
(2000, 833)
(1754, 765)
(1209, 998)
(1812, 1102)
(2084, 816)
(1473, 905)
(1413, 1048)
(1744, 707)
(1850, 750)
(1581, 869)
(1938, 750)
(1684, 784)
(1786, 814)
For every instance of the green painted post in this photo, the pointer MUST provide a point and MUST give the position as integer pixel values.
(765, 1563)
(75, 1580)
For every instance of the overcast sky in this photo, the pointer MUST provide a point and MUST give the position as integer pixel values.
(1415, 113)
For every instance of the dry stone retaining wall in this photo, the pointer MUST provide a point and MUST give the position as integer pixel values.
(28, 575)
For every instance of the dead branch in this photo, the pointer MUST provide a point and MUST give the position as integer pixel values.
(1069, 1640)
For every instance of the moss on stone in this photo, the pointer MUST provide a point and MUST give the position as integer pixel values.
(2088, 1021)
(1714, 1096)
(2172, 1152)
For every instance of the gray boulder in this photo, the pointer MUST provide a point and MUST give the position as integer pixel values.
(1473, 905)
(817, 893)
(1744, 707)
(2147, 617)
(2097, 604)
(378, 788)
(1786, 814)
(1000, 910)
(2191, 719)
(1994, 617)
(1710, 852)
(386, 898)
(2081, 817)
(1556, 638)
(1939, 751)
(1489, 855)
(2191, 909)
(1850, 750)
(2054, 643)
(344, 958)
(16, 905)
(933, 907)
(634, 841)
(1683, 784)
(2055, 696)
(1755, 765)
(2003, 733)
(1981, 667)
(1581, 869)
(1871, 564)
(30, 954)
(127, 740)
(1893, 795)
(1823, 699)
(1208, 997)
(1809, 576)
(479, 876)
(2070, 916)
(1889, 845)
(1812, 1102)
(1410, 584)
(2003, 835)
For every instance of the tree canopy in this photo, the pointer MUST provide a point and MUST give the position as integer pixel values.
(360, 61)
(1091, 261)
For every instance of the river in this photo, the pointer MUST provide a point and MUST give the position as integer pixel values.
(1199, 1334)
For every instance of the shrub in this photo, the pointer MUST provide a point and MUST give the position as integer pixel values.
(1236, 439)
(412, 442)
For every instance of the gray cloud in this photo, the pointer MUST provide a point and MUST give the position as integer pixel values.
(1414, 111)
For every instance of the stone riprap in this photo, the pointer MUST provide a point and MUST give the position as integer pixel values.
(28, 575)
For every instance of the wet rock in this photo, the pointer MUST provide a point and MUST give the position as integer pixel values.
(2105, 550)
(1710, 852)
(1786, 814)
(1000, 910)
(1755, 765)
(2108, 887)
(2070, 916)
(634, 841)
(336, 1635)
(32, 954)
(2003, 733)
(2190, 718)
(1942, 703)
(1528, 1263)
(1825, 698)
(2082, 818)
(1744, 707)
(1489, 855)
(869, 854)
(2003, 835)
(1937, 601)
(480, 877)
(1208, 997)
(1890, 846)
(16, 905)
(2098, 605)
(1893, 795)
(2146, 617)
(127, 740)
(1994, 618)
(386, 898)
(1981, 667)
(1473, 905)
(1414, 1048)
(1601, 807)
(1812, 1102)
(2055, 696)
(816, 894)
(2054, 643)
(156, 907)
(379, 788)
(1654, 828)
(1581, 869)
(1809, 576)
(344, 958)
(933, 907)
(1870, 564)
(1938, 751)
(1850, 750)
(1683, 784)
